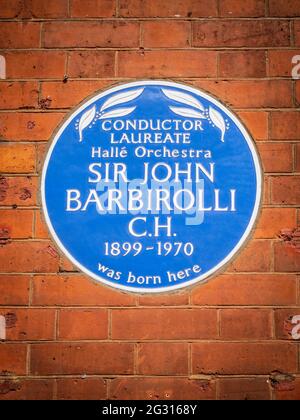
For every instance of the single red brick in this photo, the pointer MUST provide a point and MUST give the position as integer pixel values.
(241, 33)
(246, 64)
(245, 324)
(297, 33)
(176, 8)
(292, 392)
(91, 64)
(284, 8)
(29, 324)
(243, 358)
(236, 389)
(257, 123)
(20, 191)
(273, 220)
(41, 230)
(83, 324)
(248, 289)
(28, 126)
(149, 324)
(266, 191)
(251, 93)
(287, 258)
(64, 359)
(66, 95)
(113, 34)
(14, 289)
(66, 265)
(276, 157)
(81, 389)
(283, 323)
(236, 8)
(280, 62)
(285, 125)
(190, 63)
(166, 34)
(17, 158)
(163, 359)
(28, 257)
(26, 389)
(41, 149)
(93, 8)
(10, 9)
(13, 359)
(257, 256)
(49, 9)
(35, 64)
(297, 157)
(172, 299)
(17, 95)
(16, 224)
(19, 35)
(286, 190)
(161, 389)
(76, 290)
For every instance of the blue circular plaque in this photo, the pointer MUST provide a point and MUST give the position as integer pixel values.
(151, 186)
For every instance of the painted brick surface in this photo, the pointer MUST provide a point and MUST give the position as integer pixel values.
(66, 337)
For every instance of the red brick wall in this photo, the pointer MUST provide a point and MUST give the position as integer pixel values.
(67, 337)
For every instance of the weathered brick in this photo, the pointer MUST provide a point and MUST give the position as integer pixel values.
(28, 126)
(297, 33)
(10, 9)
(290, 392)
(83, 324)
(93, 8)
(148, 324)
(273, 220)
(48, 9)
(166, 34)
(162, 389)
(28, 257)
(16, 224)
(173, 299)
(81, 389)
(245, 324)
(26, 389)
(284, 8)
(249, 358)
(91, 34)
(41, 230)
(285, 125)
(287, 258)
(54, 358)
(280, 62)
(18, 191)
(163, 359)
(257, 123)
(243, 33)
(91, 64)
(17, 95)
(176, 8)
(19, 35)
(246, 64)
(76, 290)
(14, 289)
(283, 323)
(13, 359)
(29, 324)
(35, 64)
(167, 63)
(248, 289)
(255, 257)
(236, 8)
(244, 389)
(276, 157)
(297, 157)
(286, 190)
(17, 158)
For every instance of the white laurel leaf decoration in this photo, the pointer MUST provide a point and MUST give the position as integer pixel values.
(120, 112)
(184, 98)
(85, 120)
(186, 112)
(121, 98)
(218, 120)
